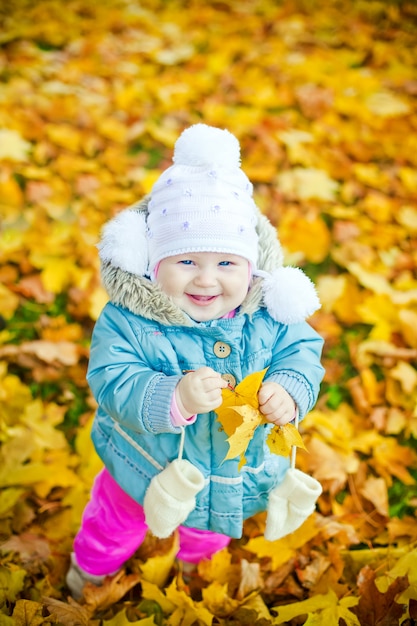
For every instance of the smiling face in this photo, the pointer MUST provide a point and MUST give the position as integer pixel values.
(205, 285)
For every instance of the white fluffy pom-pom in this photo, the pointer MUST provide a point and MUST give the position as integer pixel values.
(124, 242)
(203, 145)
(289, 295)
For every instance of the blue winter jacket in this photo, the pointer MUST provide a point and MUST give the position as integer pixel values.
(136, 363)
(143, 344)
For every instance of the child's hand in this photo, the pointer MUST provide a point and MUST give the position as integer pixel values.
(199, 391)
(276, 404)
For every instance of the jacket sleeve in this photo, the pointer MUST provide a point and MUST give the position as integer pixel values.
(122, 380)
(296, 364)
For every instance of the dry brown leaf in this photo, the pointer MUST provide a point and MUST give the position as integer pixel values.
(375, 490)
(375, 607)
(111, 591)
(63, 352)
(250, 579)
(69, 613)
(29, 546)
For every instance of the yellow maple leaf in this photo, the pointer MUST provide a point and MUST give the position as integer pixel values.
(151, 591)
(284, 549)
(217, 600)
(156, 569)
(219, 568)
(11, 582)
(328, 609)
(239, 416)
(187, 611)
(282, 438)
(246, 392)
(239, 440)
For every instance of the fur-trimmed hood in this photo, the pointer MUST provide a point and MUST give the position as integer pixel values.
(287, 293)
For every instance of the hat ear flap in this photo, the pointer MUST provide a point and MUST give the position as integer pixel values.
(124, 243)
(289, 295)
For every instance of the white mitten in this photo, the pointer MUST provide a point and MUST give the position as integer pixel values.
(290, 503)
(170, 497)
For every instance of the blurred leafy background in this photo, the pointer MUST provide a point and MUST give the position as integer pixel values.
(322, 96)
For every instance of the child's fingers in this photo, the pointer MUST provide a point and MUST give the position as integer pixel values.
(276, 404)
(209, 378)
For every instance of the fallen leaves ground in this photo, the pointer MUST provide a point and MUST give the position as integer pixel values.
(323, 99)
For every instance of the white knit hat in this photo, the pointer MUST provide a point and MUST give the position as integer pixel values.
(203, 202)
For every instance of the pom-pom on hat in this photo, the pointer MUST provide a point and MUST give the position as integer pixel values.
(203, 202)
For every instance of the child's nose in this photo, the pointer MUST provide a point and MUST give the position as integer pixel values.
(205, 277)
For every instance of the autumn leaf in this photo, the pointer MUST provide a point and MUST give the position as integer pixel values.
(30, 547)
(13, 146)
(375, 490)
(187, 611)
(403, 568)
(28, 612)
(387, 104)
(246, 392)
(153, 592)
(281, 439)
(239, 416)
(110, 591)
(121, 619)
(8, 302)
(327, 609)
(250, 580)
(306, 183)
(283, 550)
(219, 568)
(251, 418)
(92, 101)
(218, 601)
(11, 582)
(375, 607)
(156, 570)
(71, 613)
(64, 352)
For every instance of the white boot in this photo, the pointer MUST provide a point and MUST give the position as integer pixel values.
(170, 497)
(77, 577)
(290, 503)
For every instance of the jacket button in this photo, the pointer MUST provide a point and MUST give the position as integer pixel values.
(230, 379)
(221, 350)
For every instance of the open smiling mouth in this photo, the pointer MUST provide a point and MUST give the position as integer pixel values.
(201, 299)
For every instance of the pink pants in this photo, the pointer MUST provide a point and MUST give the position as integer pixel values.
(113, 527)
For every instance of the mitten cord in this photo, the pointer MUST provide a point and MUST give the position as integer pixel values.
(181, 450)
(294, 448)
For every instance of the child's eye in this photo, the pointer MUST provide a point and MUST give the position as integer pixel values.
(186, 262)
(225, 263)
